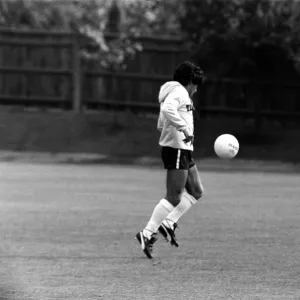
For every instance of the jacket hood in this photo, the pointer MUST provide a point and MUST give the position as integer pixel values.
(166, 89)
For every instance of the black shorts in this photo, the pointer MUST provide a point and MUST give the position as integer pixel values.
(177, 158)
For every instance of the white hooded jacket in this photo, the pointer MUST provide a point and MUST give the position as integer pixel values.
(176, 116)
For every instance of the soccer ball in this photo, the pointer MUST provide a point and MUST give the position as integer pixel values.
(226, 146)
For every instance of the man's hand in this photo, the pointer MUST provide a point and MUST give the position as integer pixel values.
(188, 137)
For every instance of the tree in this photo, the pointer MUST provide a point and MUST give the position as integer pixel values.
(153, 17)
(244, 38)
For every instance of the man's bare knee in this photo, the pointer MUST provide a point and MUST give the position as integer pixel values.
(194, 186)
(197, 193)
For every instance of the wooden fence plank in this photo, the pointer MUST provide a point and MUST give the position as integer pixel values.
(31, 43)
(28, 99)
(34, 33)
(36, 71)
(132, 76)
(76, 76)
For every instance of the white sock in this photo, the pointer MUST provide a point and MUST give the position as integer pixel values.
(185, 204)
(161, 210)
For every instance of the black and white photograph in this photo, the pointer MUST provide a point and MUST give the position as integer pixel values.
(149, 150)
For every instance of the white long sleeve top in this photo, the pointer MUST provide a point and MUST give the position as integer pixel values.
(176, 116)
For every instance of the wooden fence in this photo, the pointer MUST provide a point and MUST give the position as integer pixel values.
(45, 69)
(38, 68)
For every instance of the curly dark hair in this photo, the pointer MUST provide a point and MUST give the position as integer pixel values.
(187, 72)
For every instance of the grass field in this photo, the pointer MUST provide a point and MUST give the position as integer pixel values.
(67, 232)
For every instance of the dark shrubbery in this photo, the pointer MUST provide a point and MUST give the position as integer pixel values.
(246, 38)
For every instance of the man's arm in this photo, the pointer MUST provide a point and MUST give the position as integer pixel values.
(170, 111)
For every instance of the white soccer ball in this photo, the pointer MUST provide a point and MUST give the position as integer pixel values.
(226, 146)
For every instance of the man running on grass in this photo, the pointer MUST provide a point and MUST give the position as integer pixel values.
(176, 124)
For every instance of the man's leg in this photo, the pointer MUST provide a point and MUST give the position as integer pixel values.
(194, 190)
(176, 181)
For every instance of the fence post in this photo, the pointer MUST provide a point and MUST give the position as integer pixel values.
(257, 111)
(76, 75)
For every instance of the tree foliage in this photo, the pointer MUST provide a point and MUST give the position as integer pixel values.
(153, 17)
(244, 37)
